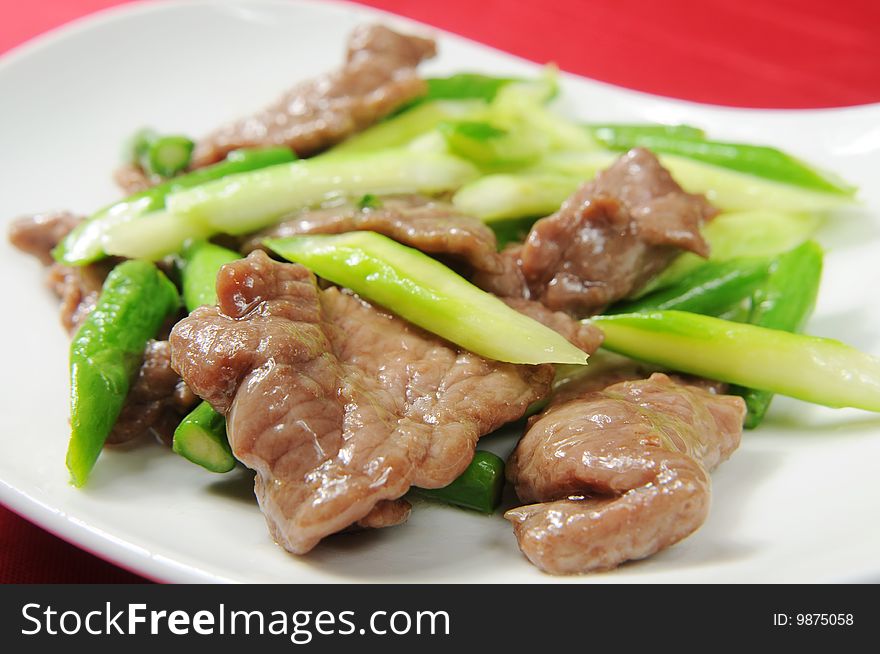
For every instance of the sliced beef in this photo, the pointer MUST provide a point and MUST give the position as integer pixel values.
(607, 240)
(40, 233)
(378, 77)
(432, 226)
(336, 405)
(77, 287)
(157, 400)
(131, 178)
(387, 513)
(509, 281)
(619, 473)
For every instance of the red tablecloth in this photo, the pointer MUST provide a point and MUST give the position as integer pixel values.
(774, 53)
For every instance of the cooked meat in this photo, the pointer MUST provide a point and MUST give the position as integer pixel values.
(509, 281)
(40, 233)
(132, 179)
(620, 473)
(608, 239)
(336, 405)
(378, 77)
(387, 513)
(432, 226)
(77, 287)
(582, 335)
(157, 401)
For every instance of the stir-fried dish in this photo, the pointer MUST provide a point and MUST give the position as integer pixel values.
(349, 289)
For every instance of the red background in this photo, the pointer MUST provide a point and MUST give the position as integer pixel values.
(770, 53)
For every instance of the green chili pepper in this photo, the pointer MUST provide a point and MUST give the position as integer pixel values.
(106, 352)
(741, 234)
(428, 294)
(759, 160)
(711, 289)
(167, 155)
(478, 487)
(201, 263)
(85, 243)
(201, 438)
(466, 86)
(819, 370)
(784, 301)
(726, 188)
(622, 136)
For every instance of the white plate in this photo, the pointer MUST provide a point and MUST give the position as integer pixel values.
(798, 502)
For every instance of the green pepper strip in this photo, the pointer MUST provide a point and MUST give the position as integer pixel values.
(621, 136)
(201, 435)
(711, 289)
(167, 155)
(463, 86)
(478, 487)
(784, 301)
(201, 263)
(106, 352)
(759, 160)
(83, 244)
(201, 438)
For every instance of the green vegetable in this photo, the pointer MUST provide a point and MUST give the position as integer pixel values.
(738, 191)
(369, 201)
(152, 236)
(787, 298)
(403, 128)
(758, 160)
(167, 155)
(478, 487)
(160, 155)
(623, 136)
(503, 197)
(201, 263)
(742, 234)
(784, 301)
(522, 104)
(466, 86)
(106, 353)
(428, 294)
(201, 438)
(711, 289)
(493, 147)
(250, 201)
(85, 243)
(819, 370)
(244, 203)
(730, 190)
(138, 145)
